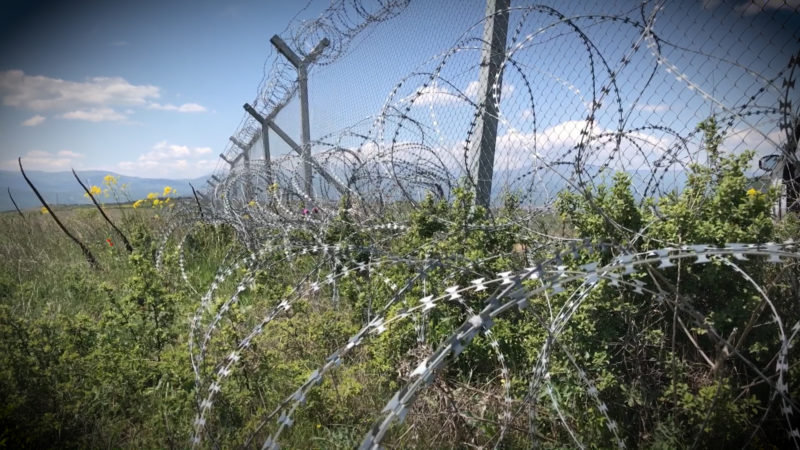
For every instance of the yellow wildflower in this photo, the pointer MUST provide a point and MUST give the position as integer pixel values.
(151, 196)
(252, 203)
(167, 200)
(753, 193)
(44, 210)
(167, 190)
(110, 180)
(156, 202)
(137, 203)
(94, 190)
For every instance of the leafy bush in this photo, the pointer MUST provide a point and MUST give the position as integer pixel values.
(696, 389)
(100, 358)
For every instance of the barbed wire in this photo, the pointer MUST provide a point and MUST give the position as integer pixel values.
(583, 91)
(340, 23)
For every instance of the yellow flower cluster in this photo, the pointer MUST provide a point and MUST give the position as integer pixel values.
(44, 210)
(753, 193)
(110, 180)
(94, 190)
(156, 200)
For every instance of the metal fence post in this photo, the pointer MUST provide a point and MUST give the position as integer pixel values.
(305, 137)
(245, 156)
(791, 166)
(267, 159)
(267, 122)
(495, 32)
(302, 79)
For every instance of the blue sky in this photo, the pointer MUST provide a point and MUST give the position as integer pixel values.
(155, 88)
(119, 85)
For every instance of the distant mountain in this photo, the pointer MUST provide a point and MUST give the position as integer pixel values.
(542, 186)
(60, 188)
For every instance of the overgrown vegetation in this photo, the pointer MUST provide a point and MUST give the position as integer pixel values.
(100, 358)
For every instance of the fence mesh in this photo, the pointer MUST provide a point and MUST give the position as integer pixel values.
(583, 91)
(405, 102)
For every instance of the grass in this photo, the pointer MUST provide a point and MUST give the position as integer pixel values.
(100, 357)
(37, 256)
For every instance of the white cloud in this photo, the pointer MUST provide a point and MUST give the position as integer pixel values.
(516, 150)
(472, 89)
(172, 160)
(41, 93)
(180, 168)
(507, 90)
(436, 95)
(93, 99)
(637, 150)
(163, 151)
(441, 95)
(33, 121)
(94, 115)
(744, 138)
(70, 154)
(41, 160)
(185, 108)
(564, 134)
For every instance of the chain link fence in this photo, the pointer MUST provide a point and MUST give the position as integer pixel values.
(580, 92)
(416, 100)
